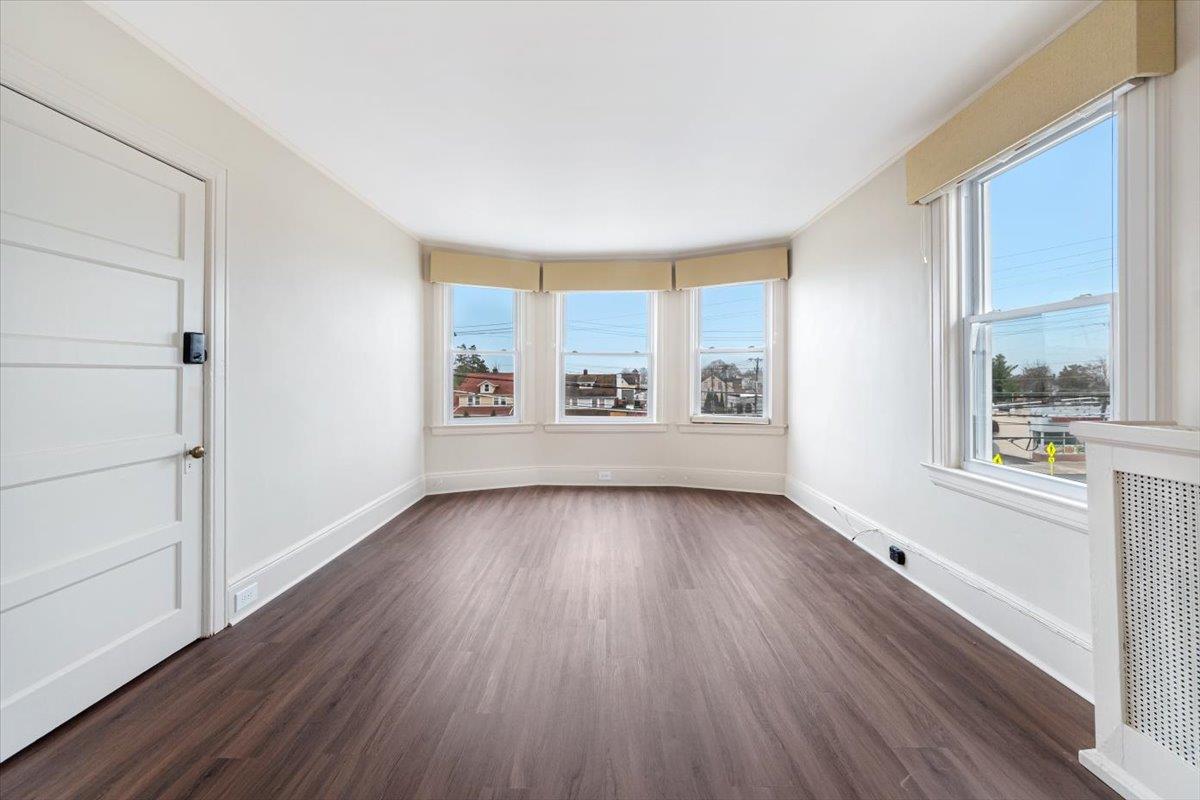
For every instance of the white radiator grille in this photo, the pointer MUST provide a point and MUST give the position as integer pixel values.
(1160, 555)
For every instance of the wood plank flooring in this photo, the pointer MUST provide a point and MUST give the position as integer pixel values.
(558, 642)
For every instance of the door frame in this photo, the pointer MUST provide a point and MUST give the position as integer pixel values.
(23, 74)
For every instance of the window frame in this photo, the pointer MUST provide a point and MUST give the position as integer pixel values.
(560, 355)
(696, 353)
(975, 283)
(1140, 303)
(448, 352)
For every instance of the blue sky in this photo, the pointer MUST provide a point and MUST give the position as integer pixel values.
(1052, 237)
(732, 316)
(482, 317)
(607, 322)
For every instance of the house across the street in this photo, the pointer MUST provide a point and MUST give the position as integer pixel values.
(605, 394)
(484, 394)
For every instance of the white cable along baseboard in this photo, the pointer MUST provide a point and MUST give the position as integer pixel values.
(1057, 648)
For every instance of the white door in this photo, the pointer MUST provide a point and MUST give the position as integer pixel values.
(101, 272)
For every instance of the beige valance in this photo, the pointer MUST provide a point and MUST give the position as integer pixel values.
(750, 265)
(476, 270)
(573, 276)
(1115, 42)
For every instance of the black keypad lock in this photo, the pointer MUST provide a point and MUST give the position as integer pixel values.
(195, 351)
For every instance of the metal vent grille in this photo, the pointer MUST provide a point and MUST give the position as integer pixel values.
(1160, 553)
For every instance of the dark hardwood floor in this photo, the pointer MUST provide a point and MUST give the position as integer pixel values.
(578, 642)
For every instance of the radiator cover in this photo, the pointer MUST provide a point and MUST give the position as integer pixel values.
(1160, 610)
(1143, 498)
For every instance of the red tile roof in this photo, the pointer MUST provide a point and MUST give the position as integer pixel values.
(501, 381)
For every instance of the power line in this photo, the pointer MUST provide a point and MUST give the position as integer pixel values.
(1051, 247)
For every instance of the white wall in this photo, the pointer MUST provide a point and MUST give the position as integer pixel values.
(670, 457)
(324, 379)
(859, 305)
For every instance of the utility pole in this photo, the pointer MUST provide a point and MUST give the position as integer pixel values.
(757, 385)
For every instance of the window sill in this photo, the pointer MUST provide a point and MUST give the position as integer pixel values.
(1068, 513)
(475, 428)
(600, 427)
(732, 428)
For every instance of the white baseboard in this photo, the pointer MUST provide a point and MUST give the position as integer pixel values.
(475, 479)
(1060, 650)
(282, 571)
(724, 479)
(1116, 777)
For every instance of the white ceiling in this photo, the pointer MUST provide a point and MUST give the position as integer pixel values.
(598, 128)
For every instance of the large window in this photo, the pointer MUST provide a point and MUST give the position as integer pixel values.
(730, 363)
(481, 354)
(1040, 236)
(606, 356)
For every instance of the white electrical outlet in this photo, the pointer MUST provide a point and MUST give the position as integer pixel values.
(604, 475)
(245, 597)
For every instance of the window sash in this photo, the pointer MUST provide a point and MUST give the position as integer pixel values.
(977, 286)
(451, 352)
(1045, 308)
(695, 398)
(561, 355)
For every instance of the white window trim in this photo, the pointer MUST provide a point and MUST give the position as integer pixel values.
(772, 421)
(1140, 323)
(563, 422)
(519, 422)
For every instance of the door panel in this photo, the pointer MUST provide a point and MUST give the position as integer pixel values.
(88, 616)
(135, 497)
(50, 407)
(101, 302)
(101, 272)
(73, 189)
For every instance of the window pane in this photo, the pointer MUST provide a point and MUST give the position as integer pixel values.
(607, 322)
(609, 386)
(1034, 376)
(1050, 223)
(481, 319)
(732, 384)
(732, 316)
(482, 387)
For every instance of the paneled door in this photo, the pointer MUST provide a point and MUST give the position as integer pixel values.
(101, 272)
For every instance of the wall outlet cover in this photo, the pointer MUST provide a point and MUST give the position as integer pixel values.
(245, 597)
(604, 475)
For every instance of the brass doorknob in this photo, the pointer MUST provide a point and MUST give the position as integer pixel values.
(197, 451)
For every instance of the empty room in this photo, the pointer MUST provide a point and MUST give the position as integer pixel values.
(537, 400)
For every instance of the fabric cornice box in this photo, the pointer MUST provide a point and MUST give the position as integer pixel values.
(564, 276)
(477, 270)
(750, 265)
(1116, 42)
